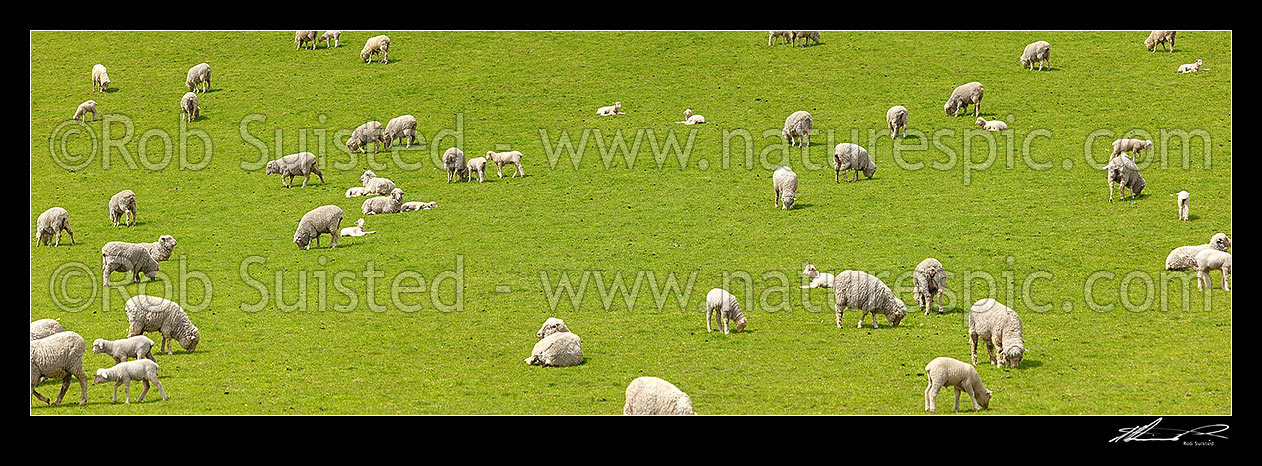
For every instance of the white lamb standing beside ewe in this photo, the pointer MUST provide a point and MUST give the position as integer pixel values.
(1212, 259)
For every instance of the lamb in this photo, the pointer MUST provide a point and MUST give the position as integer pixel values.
(375, 45)
(475, 165)
(369, 132)
(723, 306)
(1159, 37)
(1184, 257)
(189, 108)
(100, 79)
(357, 230)
(1134, 146)
(123, 373)
(454, 160)
(929, 281)
(117, 256)
(375, 184)
(59, 356)
(403, 128)
(805, 36)
(1212, 259)
(992, 125)
(1000, 328)
(615, 109)
(654, 396)
(950, 372)
(50, 224)
(151, 313)
(417, 205)
(1122, 170)
(161, 249)
(560, 349)
(391, 204)
(690, 119)
(45, 327)
(896, 118)
(797, 128)
(198, 75)
(139, 347)
(551, 326)
(320, 220)
(1191, 67)
(846, 157)
(1039, 52)
(302, 37)
(358, 191)
(778, 36)
(81, 113)
(121, 205)
(785, 182)
(328, 37)
(1183, 199)
(963, 96)
(818, 280)
(866, 292)
(301, 164)
(505, 158)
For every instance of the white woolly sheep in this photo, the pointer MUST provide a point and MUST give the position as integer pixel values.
(123, 205)
(59, 356)
(896, 118)
(320, 220)
(188, 107)
(779, 37)
(366, 133)
(81, 113)
(198, 75)
(557, 350)
(1184, 257)
(123, 373)
(375, 45)
(805, 36)
(1183, 199)
(1039, 52)
(797, 128)
(302, 37)
(475, 165)
(785, 183)
(818, 280)
(948, 372)
(139, 347)
(615, 109)
(963, 96)
(1134, 146)
(654, 396)
(454, 161)
(45, 327)
(301, 164)
(357, 191)
(723, 306)
(929, 280)
(403, 128)
(376, 184)
(391, 204)
(117, 256)
(154, 314)
(417, 205)
(161, 249)
(866, 292)
(1212, 259)
(100, 79)
(846, 157)
(1159, 37)
(1000, 328)
(992, 125)
(357, 230)
(50, 224)
(1122, 170)
(331, 37)
(1191, 67)
(504, 158)
(690, 119)
(551, 326)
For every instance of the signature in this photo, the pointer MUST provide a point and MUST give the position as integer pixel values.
(1147, 433)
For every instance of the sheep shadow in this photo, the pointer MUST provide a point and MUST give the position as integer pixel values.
(1193, 217)
(911, 137)
(111, 90)
(797, 206)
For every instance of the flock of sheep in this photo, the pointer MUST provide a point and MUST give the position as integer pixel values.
(58, 354)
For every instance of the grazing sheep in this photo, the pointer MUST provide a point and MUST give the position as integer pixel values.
(375, 45)
(992, 125)
(690, 119)
(320, 220)
(188, 107)
(963, 96)
(302, 37)
(1039, 52)
(929, 280)
(403, 128)
(948, 372)
(417, 205)
(723, 306)
(357, 230)
(504, 158)
(654, 396)
(121, 205)
(846, 157)
(391, 204)
(453, 160)
(123, 373)
(805, 36)
(1191, 67)
(615, 109)
(117, 256)
(1000, 328)
(100, 79)
(301, 164)
(50, 224)
(557, 350)
(357, 191)
(1212, 259)
(896, 118)
(797, 128)
(45, 327)
(59, 356)
(198, 75)
(866, 292)
(1134, 146)
(818, 280)
(154, 314)
(1159, 37)
(375, 184)
(475, 165)
(328, 37)
(785, 182)
(1122, 170)
(81, 113)
(161, 249)
(369, 132)
(779, 37)
(1183, 199)
(551, 326)
(1184, 257)
(139, 347)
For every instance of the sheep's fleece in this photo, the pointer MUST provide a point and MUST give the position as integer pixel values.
(654, 396)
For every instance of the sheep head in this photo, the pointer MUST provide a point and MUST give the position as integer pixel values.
(368, 175)
(1220, 242)
(98, 346)
(897, 314)
(1011, 356)
(101, 376)
(810, 271)
(983, 398)
(189, 342)
(302, 239)
(273, 167)
(551, 326)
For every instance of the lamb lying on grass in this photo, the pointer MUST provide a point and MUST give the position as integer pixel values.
(1192, 67)
(358, 191)
(357, 230)
(948, 372)
(992, 125)
(690, 119)
(654, 396)
(615, 109)
(417, 205)
(561, 349)
(551, 326)
(123, 373)
(818, 280)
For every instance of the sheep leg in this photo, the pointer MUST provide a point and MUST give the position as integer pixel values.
(318, 173)
(160, 390)
(114, 398)
(939, 301)
(38, 396)
(972, 343)
(874, 320)
(708, 312)
(333, 233)
(840, 312)
(722, 320)
(957, 399)
(305, 178)
(521, 170)
(126, 391)
(499, 169)
(1224, 271)
(1110, 191)
(143, 392)
(863, 314)
(990, 350)
(65, 385)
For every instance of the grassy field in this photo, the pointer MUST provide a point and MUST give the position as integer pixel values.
(474, 278)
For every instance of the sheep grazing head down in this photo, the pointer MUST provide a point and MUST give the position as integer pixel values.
(302, 239)
(189, 342)
(898, 313)
(983, 398)
(740, 324)
(1139, 187)
(1012, 356)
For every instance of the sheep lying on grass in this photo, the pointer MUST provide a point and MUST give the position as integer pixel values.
(1184, 257)
(560, 349)
(1125, 173)
(301, 164)
(992, 125)
(100, 78)
(846, 157)
(1039, 52)
(197, 75)
(139, 347)
(720, 304)
(375, 184)
(690, 119)
(320, 220)
(551, 326)
(154, 314)
(654, 396)
(1183, 199)
(866, 292)
(302, 37)
(896, 118)
(45, 327)
(818, 280)
(50, 224)
(391, 204)
(417, 205)
(121, 205)
(1212, 259)
(615, 109)
(358, 191)
(785, 183)
(948, 372)
(81, 113)
(59, 356)
(1000, 328)
(453, 160)
(1159, 37)
(357, 230)
(1191, 67)
(505, 158)
(117, 256)
(123, 373)
(374, 46)
(797, 129)
(330, 37)
(963, 96)
(929, 281)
